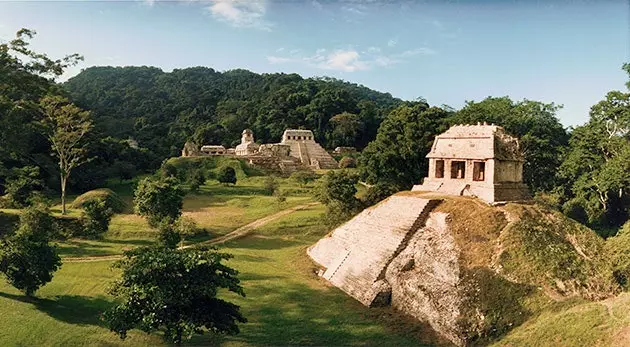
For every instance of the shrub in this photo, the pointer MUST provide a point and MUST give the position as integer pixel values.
(26, 258)
(20, 186)
(187, 227)
(227, 175)
(196, 179)
(168, 170)
(112, 200)
(377, 193)
(270, 185)
(347, 162)
(159, 200)
(304, 177)
(96, 217)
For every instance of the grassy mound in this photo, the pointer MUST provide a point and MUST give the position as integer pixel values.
(518, 261)
(112, 199)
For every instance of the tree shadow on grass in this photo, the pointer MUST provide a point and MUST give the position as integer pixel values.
(255, 241)
(72, 309)
(298, 315)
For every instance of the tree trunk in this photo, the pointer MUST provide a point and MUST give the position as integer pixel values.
(63, 194)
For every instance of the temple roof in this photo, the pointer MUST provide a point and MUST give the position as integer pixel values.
(479, 141)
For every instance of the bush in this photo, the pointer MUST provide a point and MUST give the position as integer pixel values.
(196, 179)
(159, 200)
(112, 200)
(187, 227)
(168, 170)
(26, 258)
(20, 186)
(96, 217)
(347, 162)
(377, 193)
(226, 175)
(304, 177)
(270, 185)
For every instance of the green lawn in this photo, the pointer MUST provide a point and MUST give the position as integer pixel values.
(286, 303)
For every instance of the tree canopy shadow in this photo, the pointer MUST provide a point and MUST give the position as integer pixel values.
(72, 309)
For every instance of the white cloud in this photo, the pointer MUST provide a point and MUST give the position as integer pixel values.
(241, 13)
(349, 60)
(149, 3)
(392, 42)
(317, 4)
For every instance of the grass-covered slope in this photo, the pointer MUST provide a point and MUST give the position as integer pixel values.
(518, 261)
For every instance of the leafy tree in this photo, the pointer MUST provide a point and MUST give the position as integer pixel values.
(196, 179)
(346, 128)
(66, 126)
(96, 217)
(168, 234)
(26, 258)
(174, 291)
(270, 185)
(397, 156)
(541, 135)
(304, 177)
(226, 175)
(377, 193)
(347, 162)
(159, 200)
(337, 191)
(597, 164)
(20, 186)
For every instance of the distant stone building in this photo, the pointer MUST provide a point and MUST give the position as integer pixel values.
(345, 150)
(309, 152)
(190, 150)
(213, 150)
(476, 160)
(248, 146)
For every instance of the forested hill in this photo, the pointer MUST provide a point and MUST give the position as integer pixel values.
(162, 110)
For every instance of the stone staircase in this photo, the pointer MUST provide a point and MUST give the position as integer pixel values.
(357, 253)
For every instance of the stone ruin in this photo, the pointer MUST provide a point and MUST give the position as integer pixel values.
(476, 160)
(309, 152)
(298, 150)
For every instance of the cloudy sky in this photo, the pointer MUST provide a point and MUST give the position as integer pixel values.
(568, 52)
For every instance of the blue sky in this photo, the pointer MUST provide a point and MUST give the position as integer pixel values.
(567, 52)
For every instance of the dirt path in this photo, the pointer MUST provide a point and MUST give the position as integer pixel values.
(233, 235)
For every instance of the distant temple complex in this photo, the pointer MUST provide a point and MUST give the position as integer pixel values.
(477, 160)
(298, 149)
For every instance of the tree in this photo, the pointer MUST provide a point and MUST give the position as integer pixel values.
(347, 162)
(174, 291)
(541, 135)
(196, 179)
(346, 128)
(397, 156)
(96, 217)
(337, 191)
(21, 184)
(304, 177)
(377, 193)
(227, 175)
(159, 200)
(597, 164)
(270, 185)
(26, 258)
(66, 126)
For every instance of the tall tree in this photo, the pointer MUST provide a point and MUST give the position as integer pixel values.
(541, 134)
(66, 126)
(397, 156)
(174, 291)
(597, 165)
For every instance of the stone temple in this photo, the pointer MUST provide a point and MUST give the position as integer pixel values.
(476, 160)
(247, 146)
(309, 152)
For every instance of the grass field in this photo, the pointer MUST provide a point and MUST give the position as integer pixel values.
(286, 303)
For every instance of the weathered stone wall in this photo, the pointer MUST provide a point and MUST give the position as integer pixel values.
(357, 253)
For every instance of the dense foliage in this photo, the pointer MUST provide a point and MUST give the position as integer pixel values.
(227, 175)
(541, 136)
(26, 258)
(174, 291)
(397, 156)
(159, 200)
(163, 110)
(96, 217)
